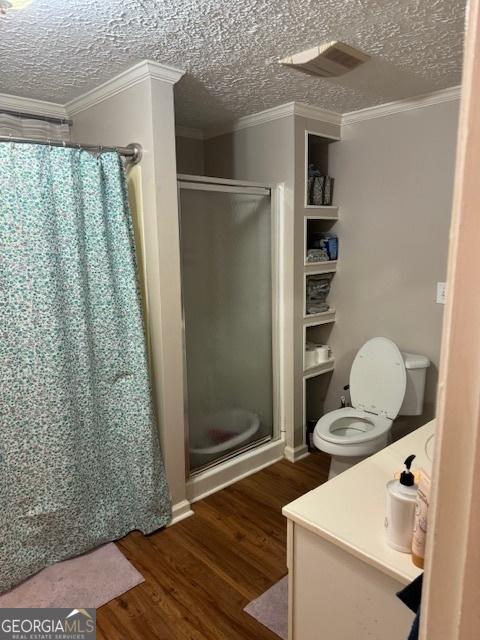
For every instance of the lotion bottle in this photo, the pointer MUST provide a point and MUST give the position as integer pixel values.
(400, 513)
(421, 518)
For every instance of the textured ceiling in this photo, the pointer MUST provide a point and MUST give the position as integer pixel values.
(57, 49)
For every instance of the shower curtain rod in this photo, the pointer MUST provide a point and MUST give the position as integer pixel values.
(35, 116)
(132, 151)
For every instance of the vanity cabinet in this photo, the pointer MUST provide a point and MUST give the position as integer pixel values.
(333, 595)
(342, 575)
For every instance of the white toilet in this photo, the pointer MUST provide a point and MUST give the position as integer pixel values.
(384, 382)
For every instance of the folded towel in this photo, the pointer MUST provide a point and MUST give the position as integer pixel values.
(317, 255)
(317, 308)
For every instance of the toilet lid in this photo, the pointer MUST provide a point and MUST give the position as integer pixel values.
(378, 379)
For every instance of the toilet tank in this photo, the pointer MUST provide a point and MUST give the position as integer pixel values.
(416, 368)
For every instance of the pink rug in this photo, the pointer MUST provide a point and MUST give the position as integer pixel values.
(86, 581)
(271, 608)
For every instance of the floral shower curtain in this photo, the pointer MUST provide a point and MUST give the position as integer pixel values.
(79, 455)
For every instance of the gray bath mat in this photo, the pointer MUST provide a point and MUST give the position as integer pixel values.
(271, 608)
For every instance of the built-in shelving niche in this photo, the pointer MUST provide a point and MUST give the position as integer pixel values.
(317, 327)
(317, 334)
(314, 225)
(317, 153)
(316, 378)
(314, 392)
(316, 273)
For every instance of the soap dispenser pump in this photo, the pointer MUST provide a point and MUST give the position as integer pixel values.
(400, 513)
(407, 479)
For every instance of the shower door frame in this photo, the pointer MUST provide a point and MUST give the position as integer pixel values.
(222, 185)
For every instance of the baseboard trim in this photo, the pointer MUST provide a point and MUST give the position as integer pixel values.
(212, 480)
(297, 453)
(180, 511)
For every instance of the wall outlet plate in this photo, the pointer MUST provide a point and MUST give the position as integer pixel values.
(441, 292)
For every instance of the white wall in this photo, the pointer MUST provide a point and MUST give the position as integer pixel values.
(144, 113)
(262, 153)
(190, 156)
(394, 178)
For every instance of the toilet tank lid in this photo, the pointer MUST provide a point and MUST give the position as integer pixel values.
(415, 361)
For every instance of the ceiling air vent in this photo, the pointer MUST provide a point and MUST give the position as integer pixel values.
(327, 60)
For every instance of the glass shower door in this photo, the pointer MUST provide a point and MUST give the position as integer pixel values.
(226, 259)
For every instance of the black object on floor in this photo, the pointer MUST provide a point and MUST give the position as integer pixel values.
(411, 596)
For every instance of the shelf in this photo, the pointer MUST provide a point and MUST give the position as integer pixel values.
(316, 319)
(316, 212)
(327, 207)
(320, 369)
(329, 266)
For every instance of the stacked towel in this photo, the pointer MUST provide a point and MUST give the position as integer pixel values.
(317, 255)
(318, 288)
(324, 246)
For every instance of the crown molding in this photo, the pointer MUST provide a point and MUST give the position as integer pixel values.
(128, 78)
(124, 80)
(30, 105)
(316, 113)
(332, 117)
(398, 106)
(171, 75)
(276, 113)
(189, 132)
(163, 72)
(268, 115)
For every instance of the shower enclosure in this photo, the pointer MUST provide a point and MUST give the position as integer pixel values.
(226, 236)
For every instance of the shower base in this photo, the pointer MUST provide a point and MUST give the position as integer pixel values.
(226, 430)
(210, 480)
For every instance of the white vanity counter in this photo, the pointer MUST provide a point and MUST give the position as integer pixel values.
(337, 549)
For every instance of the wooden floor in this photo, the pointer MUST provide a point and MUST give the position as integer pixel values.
(201, 573)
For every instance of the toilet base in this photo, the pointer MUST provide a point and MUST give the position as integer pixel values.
(340, 464)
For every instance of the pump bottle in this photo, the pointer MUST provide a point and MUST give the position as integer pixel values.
(400, 512)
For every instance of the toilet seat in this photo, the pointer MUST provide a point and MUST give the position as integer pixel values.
(351, 432)
(340, 426)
